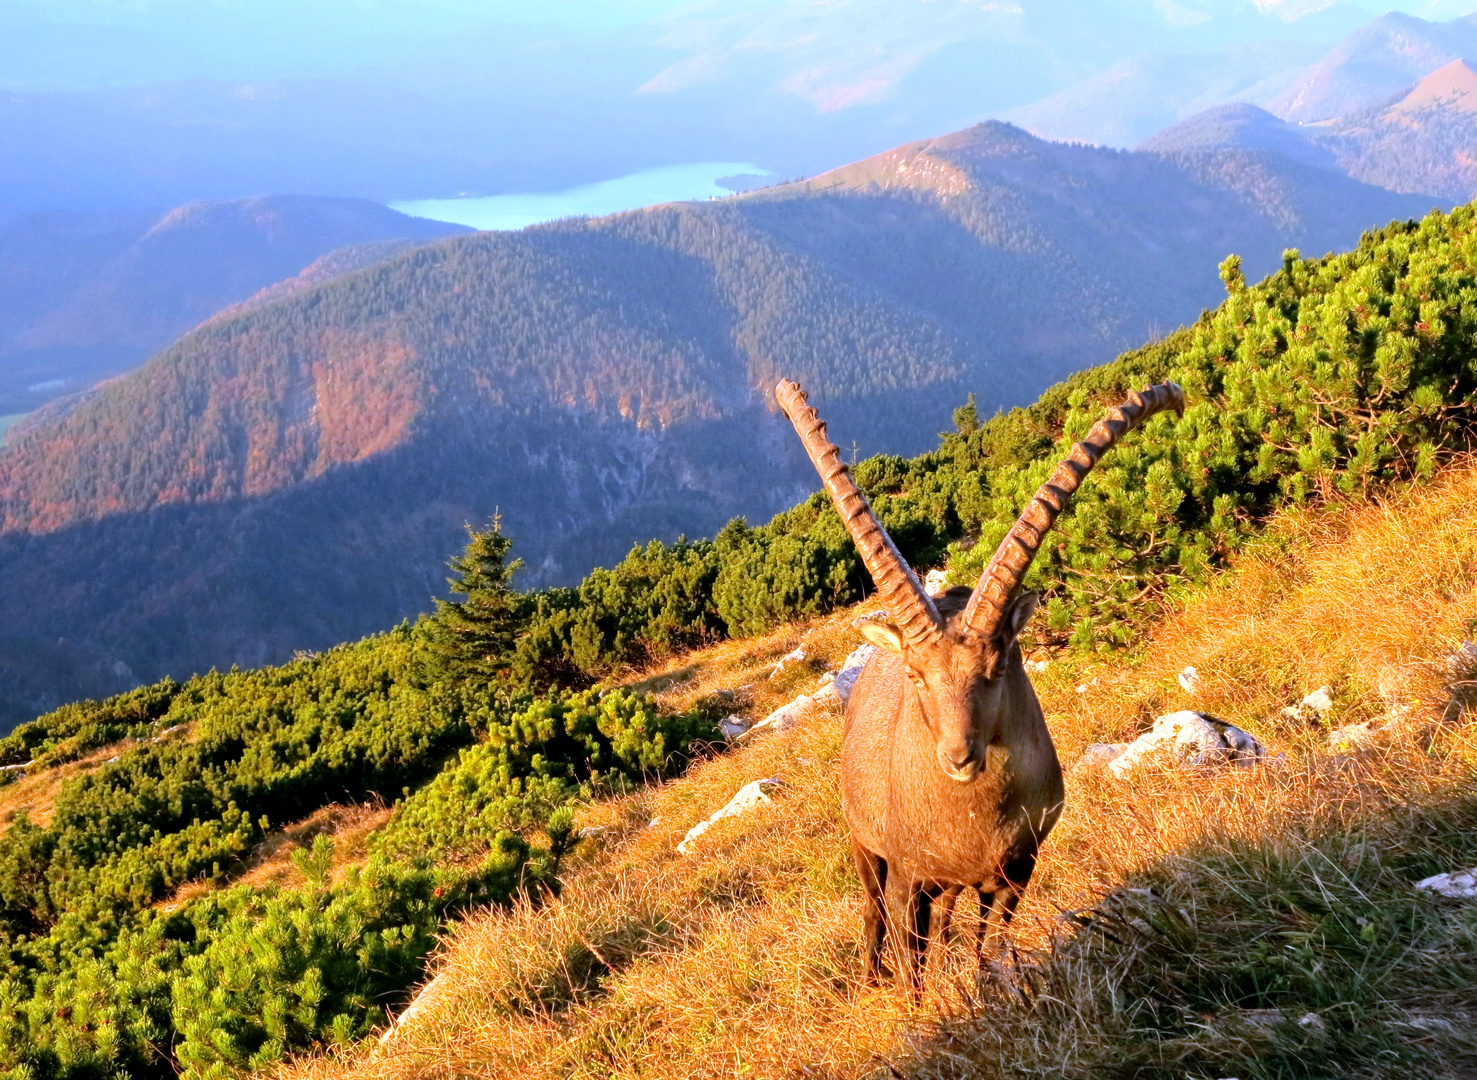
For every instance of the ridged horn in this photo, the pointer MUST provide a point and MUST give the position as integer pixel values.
(909, 605)
(1013, 557)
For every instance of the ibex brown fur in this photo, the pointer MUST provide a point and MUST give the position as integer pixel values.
(949, 779)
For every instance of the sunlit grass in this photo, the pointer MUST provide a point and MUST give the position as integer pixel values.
(1179, 924)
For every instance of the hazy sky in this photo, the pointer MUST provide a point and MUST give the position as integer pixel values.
(99, 42)
(123, 101)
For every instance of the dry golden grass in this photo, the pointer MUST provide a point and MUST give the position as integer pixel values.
(743, 959)
(35, 793)
(271, 862)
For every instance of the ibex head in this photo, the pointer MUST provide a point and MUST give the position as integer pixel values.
(955, 650)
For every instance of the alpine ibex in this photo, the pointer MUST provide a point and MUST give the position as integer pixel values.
(949, 779)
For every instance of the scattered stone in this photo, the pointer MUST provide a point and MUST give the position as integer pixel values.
(1190, 740)
(936, 582)
(1355, 737)
(1097, 757)
(785, 717)
(1316, 706)
(1189, 680)
(418, 1005)
(851, 670)
(1083, 688)
(1036, 667)
(1458, 885)
(751, 795)
(1312, 1023)
(797, 656)
(1462, 663)
(732, 727)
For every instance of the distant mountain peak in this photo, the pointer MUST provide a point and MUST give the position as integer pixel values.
(1237, 126)
(1453, 86)
(932, 165)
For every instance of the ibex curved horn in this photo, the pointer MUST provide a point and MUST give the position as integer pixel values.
(1011, 560)
(909, 605)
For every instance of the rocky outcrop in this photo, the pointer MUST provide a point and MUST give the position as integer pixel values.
(1183, 740)
(749, 797)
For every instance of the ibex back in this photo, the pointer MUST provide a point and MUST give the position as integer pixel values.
(949, 779)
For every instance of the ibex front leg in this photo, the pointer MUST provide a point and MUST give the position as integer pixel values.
(872, 869)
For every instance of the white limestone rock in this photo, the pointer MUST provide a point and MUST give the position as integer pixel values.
(747, 798)
(1036, 667)
(419, 1004)
(1316, 706)
(1189, 680)
(851, 670)
(732, 727)
(785, 717)
(1457, 885)
(1461, 665)
(936, 582)
(790, 659)
(1189, 740)
(1097, 757)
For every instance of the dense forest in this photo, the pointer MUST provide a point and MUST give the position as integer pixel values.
(1344, 374)
(85, 297)
(292, 476)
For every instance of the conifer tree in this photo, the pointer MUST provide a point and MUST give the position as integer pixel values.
(475, 638)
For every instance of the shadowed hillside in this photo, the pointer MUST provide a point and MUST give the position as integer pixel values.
(600, 382)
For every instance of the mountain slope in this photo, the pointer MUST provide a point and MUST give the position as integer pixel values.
(1373, 64)
(1130, 101)
(296, 474)
(84, 297)
(1425, 141)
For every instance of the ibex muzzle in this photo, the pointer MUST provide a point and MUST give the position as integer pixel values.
(949, 779)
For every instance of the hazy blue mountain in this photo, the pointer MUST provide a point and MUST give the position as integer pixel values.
(87, 296)
(1133, 99)
(1239, 126)
(1420, 142)
(1373, 64)
(294, 474)
(1425, 141)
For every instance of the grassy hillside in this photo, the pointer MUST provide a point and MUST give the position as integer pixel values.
(294, 476)
(1178, 924)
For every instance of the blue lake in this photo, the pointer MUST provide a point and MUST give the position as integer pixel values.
(674, 183)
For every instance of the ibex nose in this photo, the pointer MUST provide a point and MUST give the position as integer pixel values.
(959, 762)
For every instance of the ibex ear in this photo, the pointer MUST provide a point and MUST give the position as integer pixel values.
(881, 634)
(1017, 614)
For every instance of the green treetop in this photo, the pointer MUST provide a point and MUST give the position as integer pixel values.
(475, 638)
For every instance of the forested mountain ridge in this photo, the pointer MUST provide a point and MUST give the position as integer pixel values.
(88, 296)
(1423, 141)
(295, 474)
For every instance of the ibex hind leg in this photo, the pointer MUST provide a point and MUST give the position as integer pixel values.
(872, 869)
